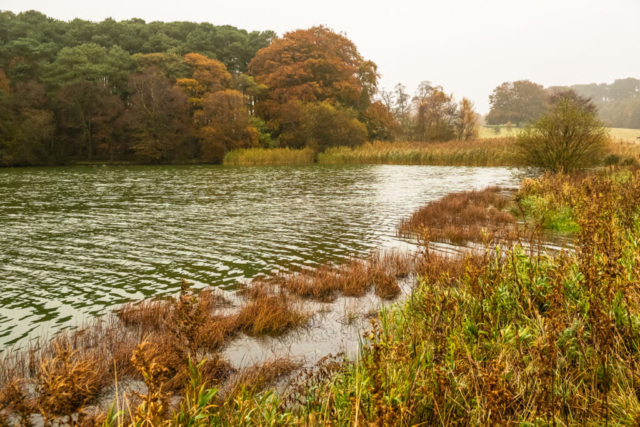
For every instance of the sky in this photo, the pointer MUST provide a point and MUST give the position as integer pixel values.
(466, 46)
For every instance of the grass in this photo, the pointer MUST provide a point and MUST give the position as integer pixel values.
(487, 152)
(271, 156)
(508, 335)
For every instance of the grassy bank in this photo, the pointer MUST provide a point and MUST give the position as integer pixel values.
(273, 156)
(507, 335)
(489, 152)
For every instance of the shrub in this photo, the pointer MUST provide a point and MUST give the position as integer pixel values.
(611, 160)
(567, 137)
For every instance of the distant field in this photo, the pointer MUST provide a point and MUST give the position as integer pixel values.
(630, 135)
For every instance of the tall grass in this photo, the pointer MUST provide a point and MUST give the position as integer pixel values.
(271, 156)
(481, 152)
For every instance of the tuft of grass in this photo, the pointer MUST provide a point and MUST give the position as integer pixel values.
(270, 311)
(269, 156)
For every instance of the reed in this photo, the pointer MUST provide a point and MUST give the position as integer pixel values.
(481, 152)
(269, 156)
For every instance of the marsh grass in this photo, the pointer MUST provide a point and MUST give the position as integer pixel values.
(269, 156)
(459, 218)
(379, 272)
(481, 152)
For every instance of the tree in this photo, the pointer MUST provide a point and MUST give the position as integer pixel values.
(227, 125)
(158, 116)
(437, 117)
(402, 107)
(104, 67)
(313, 65)
(321, 125)
(88, 114)
(565, 138)
(516, 102)
(559, 95)
(207, 76)
(467, 122)
(380, 122)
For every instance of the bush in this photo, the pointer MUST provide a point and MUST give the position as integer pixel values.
(567, 137)
(611, 160)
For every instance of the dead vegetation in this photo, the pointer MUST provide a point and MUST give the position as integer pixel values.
(459, 218)
(353, 278)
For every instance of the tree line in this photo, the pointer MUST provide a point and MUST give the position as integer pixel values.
(177, 92)
(618, 103)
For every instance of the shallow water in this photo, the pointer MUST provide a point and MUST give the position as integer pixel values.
(76, 241)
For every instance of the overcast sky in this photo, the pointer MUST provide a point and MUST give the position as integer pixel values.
(466, 46)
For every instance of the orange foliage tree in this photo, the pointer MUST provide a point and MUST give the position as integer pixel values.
(310, 66)
(380, 122)
(226, 125)
(207, 76)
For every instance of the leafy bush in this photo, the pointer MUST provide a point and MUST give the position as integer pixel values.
(567, 137)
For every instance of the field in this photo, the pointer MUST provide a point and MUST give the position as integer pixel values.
(629, 135)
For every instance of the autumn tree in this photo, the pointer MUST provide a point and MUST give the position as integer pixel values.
(158, 116)
(381, 124)
(322, 125)
(207, 76)
(516, 102)
(226, 125)
(88, 113)
(437, 117)
(467, 123)
(311, 66)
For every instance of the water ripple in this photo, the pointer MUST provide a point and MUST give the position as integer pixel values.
(76, 241)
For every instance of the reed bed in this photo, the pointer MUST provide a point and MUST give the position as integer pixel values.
(269, 156)
(459, 218)
(480, 152)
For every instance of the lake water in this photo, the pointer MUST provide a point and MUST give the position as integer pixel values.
(76, 241)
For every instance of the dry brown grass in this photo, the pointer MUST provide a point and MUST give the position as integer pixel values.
(470, 216)
(354, 278)
(270, 311)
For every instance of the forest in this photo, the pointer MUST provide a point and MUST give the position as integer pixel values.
(183, 92)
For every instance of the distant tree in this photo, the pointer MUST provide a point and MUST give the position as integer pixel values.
(172, 65)
(559, 95)
(388, 99)
(467, 126)
(516, 102)
(569, 136)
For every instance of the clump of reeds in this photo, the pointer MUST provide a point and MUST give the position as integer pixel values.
(269, 310)
(269, 156)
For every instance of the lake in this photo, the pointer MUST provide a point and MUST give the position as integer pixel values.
(77, 241)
